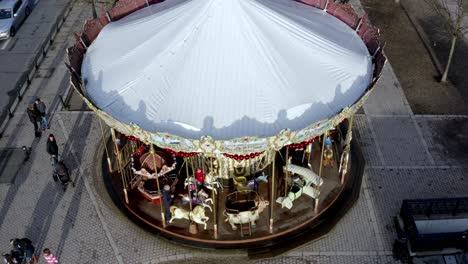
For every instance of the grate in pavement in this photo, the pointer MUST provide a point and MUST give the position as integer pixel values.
(11, 160)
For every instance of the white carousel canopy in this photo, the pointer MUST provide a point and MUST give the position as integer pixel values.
(226, 68)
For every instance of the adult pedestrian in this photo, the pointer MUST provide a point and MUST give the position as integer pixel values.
(41, 108)
(52, 147)
(168, 199)
(35, 118)
(49, 257)
(25, 247)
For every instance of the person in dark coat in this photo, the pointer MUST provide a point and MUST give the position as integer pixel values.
(52, 147)
(35, 118)
(168, 199)
(41, 108)
(25, 247)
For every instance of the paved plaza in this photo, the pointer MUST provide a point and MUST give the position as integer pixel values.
(407, 155)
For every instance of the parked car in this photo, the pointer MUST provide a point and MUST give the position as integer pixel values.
(12, 14)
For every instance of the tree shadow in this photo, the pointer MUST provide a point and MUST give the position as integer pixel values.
(43, 213)
(70, 216)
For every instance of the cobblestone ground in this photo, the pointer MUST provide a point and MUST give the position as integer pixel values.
(407, 156)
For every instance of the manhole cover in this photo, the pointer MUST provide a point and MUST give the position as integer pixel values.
(11, 160)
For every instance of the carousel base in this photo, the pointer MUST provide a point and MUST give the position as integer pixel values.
(291, 228)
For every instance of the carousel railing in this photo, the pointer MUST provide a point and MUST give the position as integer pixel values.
(315, 3)
(344, 12)
(127, 150)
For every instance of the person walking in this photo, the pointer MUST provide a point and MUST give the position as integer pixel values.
(41, 108)
(35, 118)
(52, 147)
(49, 257)
(25, 247)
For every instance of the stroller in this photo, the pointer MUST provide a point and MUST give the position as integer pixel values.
(60, 173)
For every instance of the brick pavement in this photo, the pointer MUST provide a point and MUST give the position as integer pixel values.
(82, 225)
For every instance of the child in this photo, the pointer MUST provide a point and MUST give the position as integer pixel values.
(51, 259)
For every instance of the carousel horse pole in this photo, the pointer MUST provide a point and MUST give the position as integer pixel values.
(119, 162)
(320, 169)
(286, 173)
(345, 156)
(214, 193)
(308, 150)
(105, 145)
(192, 165)
(188, 185)
(163, 217)
(273, 168)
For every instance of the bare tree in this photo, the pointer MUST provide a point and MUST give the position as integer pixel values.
(453, 22)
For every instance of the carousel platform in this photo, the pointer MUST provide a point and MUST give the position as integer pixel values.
(291, 227)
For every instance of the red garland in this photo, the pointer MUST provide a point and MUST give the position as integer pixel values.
(243, 157)
(302, 144)
(182, 154)
(131, 138)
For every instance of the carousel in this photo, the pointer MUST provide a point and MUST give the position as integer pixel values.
(230, 120)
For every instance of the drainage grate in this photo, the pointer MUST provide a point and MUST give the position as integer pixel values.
(11, 160)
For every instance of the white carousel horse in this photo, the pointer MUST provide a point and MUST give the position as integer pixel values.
(189, 180)
(197, 214)
(201, 199)
(297, 190)
(244, 217)
(211, 182)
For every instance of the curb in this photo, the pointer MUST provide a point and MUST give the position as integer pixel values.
(28, 75)
(423, 36)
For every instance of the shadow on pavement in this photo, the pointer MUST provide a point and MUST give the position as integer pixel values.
(43, 213)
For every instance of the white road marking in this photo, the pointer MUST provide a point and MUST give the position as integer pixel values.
(5, 44)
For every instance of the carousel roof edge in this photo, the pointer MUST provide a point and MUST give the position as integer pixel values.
(235, 146)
